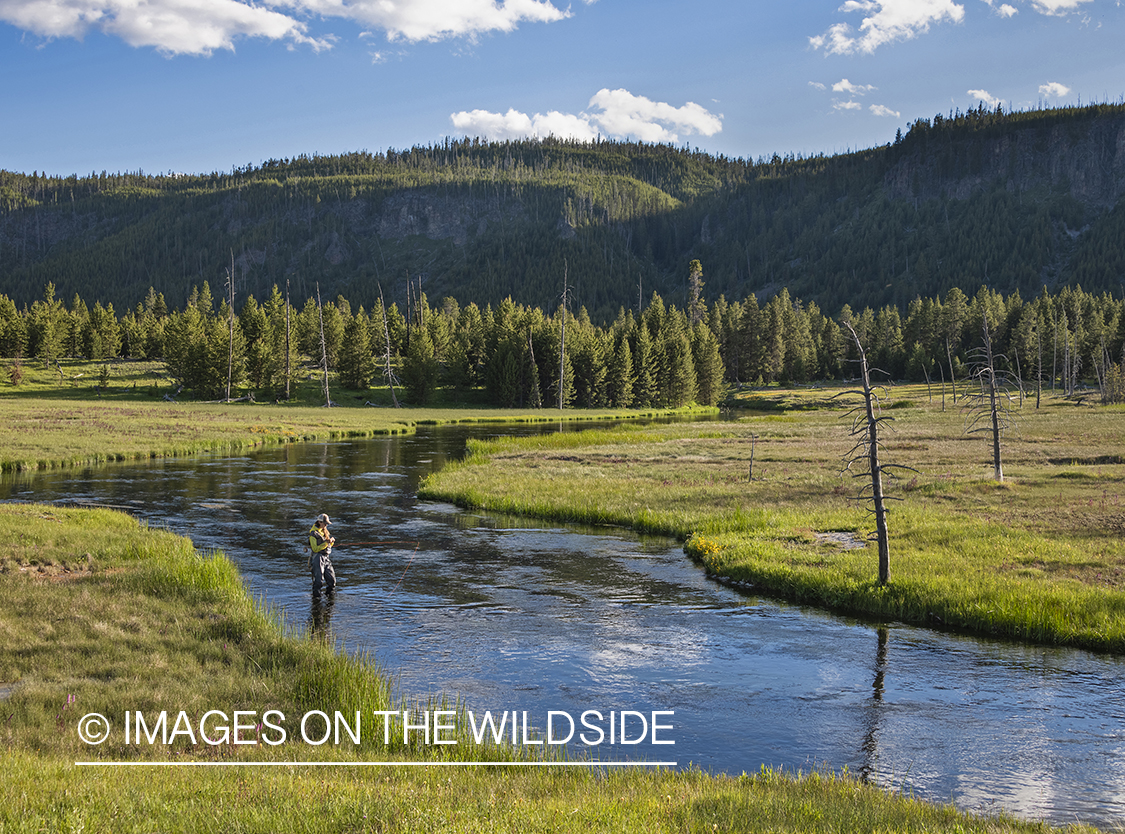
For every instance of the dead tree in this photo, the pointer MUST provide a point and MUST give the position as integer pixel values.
(990, 402)
(562, 343)
(323, 347)
(387, 372)
(862, 460)
(230, 302)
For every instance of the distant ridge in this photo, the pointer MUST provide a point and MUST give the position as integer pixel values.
(1014, 201)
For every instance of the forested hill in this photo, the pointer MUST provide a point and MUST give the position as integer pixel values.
(1014, 201)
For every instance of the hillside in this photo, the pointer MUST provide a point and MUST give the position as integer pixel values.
(1015, 201)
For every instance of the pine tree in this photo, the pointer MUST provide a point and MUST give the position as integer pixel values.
(357, 360)
(619, 381)
(708, 365)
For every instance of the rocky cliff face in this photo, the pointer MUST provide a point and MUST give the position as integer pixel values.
(1085, 158)
(438, 217)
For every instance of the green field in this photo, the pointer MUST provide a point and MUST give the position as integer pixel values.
(45, 423)
(100, 614)
(1040, 557)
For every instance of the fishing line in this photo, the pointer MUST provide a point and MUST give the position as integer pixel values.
(409, 561)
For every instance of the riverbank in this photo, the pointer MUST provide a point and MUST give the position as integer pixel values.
(100, 614)
(45, 423)
(1038, 558)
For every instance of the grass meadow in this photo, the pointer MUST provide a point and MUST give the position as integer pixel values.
(99, 613)
(1039, 557)
(55, 419)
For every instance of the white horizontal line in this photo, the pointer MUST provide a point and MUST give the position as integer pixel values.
(377, 764)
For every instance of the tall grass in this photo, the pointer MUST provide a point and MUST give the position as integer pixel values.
(1039, 558)
(101, 614)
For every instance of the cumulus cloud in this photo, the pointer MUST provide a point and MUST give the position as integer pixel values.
(431, 20)
(1053, 90)
(985, 96)
(817, 85)
(198, 27)
(845, 86)
(882, 110)
(887, 21)
(845, 105)
(1003, 9)
(621, 114)
(1057, 8)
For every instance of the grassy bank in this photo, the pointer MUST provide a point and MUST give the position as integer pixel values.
(99, 614)
(55, 421)
(1040, 557)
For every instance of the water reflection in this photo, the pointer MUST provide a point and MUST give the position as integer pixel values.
(516, 615)
(320, 618)
(870, 746)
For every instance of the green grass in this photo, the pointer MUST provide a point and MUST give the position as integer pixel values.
(1039, 558)
(100, 614)
(46, 424)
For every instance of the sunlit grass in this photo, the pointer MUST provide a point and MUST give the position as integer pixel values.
(100, 614)
(1040, 557)
(46, 423)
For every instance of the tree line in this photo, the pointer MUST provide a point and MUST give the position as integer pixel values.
(515, 355)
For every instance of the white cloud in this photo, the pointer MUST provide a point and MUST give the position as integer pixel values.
(431, 20)
(1057, 8)
(817, 85)
(845, 105)
(198, 27)
(887, 21)
(1053, 90)
(882, 110)
(845, 86)
(622, 114)
(985, 96)
(1004, 9)
(172, 26)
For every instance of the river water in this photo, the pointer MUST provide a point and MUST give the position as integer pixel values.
(518, 615)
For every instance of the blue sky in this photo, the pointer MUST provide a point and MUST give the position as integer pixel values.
(205, 85)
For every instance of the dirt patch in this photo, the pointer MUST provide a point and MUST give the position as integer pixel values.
(845, 541)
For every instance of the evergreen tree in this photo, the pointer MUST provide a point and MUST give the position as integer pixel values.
(357, 360)
(619, 379)
(645, 390)
(420, 368)
(708, 365)
(13, 330)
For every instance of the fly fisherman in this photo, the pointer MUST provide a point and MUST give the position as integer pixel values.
(320, 560)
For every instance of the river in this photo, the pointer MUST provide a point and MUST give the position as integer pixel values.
(518, 615)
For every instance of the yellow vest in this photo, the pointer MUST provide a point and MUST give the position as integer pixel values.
(318, 541)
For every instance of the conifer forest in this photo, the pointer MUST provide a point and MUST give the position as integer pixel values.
(556, 273)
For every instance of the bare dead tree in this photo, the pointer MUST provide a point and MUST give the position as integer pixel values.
(562, 342)
(230, 345)
(323, 347)
(388, 374)
(288, 375)
(862, 460)
(990, 400)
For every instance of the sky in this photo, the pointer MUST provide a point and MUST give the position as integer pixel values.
(197, 86)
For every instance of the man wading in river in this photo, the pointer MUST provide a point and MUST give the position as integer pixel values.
(320, 560)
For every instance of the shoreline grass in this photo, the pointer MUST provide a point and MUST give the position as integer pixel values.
(45, 425)
(1039, 558)
(100, 613)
